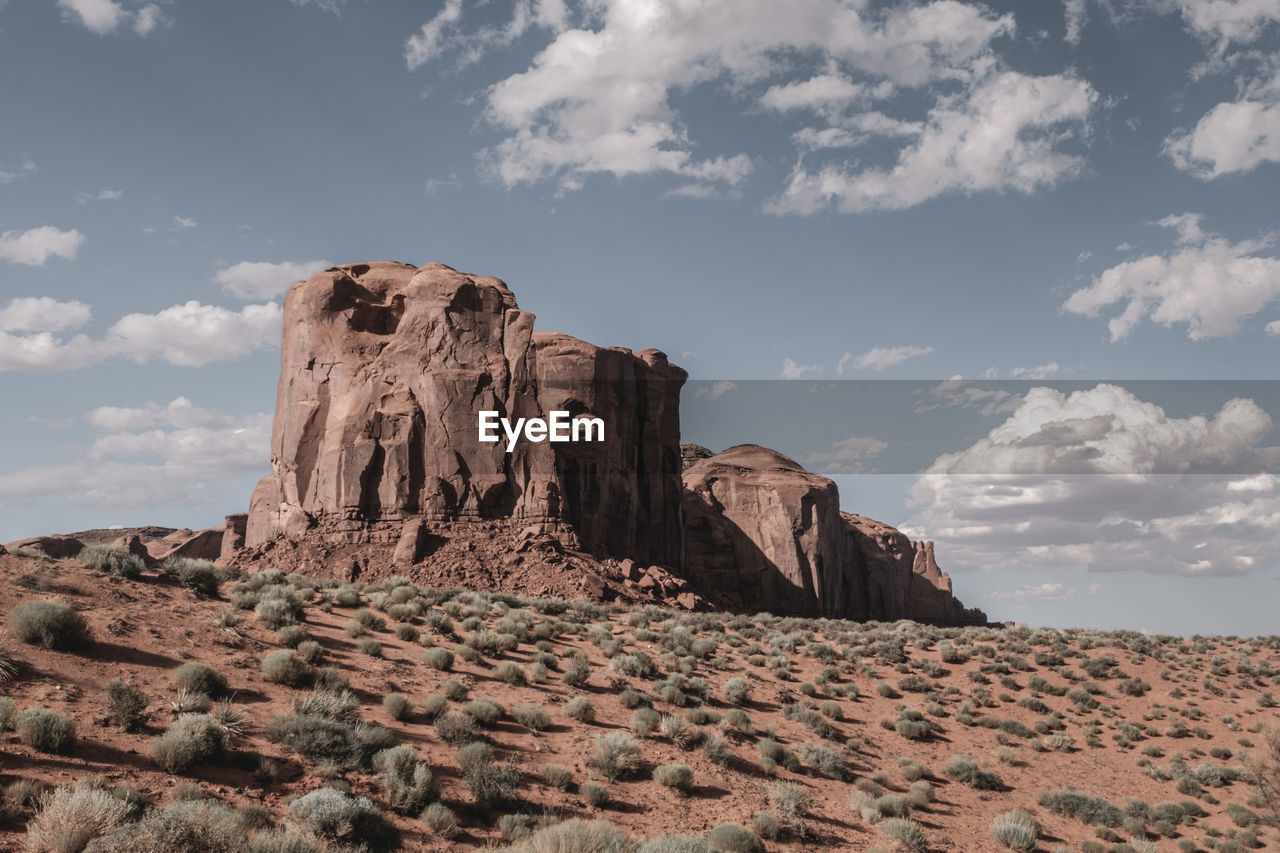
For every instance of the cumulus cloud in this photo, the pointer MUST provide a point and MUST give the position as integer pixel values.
(1102, 480)
(36, 245)
(1234, 136)
(1206, 282)
(43, 314)
(880, 358)
(847, 456)
(107, 16)
(602, 96)
(1004, 134)
(1075, 15)
(1223, 22)
(190, 335)
(260, 280)
(716, 390)
(152, 455)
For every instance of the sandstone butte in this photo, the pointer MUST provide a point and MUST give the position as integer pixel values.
(377, 469)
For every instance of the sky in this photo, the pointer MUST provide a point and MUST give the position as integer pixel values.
(1008, 272)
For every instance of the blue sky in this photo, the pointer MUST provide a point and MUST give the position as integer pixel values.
(815, 190)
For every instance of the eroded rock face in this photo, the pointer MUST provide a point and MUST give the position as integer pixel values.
(770, 534)
(384, 369)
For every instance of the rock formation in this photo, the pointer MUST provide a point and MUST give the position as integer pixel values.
(377, 467)
(771, 535)
(383, 372)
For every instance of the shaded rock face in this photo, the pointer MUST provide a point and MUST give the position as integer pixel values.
(384, 369)
(770, 535)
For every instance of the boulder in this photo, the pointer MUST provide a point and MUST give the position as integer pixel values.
(233, 533)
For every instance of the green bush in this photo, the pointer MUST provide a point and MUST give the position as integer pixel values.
(284, 666)
(189, 740)
(1091, 810)
(70, 818)
(45, 731)
(575, 836)
(51, 623)
(183, 826)
(351, 820)
(438, 658)
(440, 819)
(615, 755)
(531, 717)
(510, 672)
(456, 729)
(678, 777)
(907, 832)
(200, 678)
(1016, 830)
(731, 837)
(581, 709)
(964, 769)
(485, 712)
(396, 705)
(126, 706)
(557, 776)
(197, 575)
(407, 783)
(112, 560)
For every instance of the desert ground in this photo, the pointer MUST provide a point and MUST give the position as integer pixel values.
(189, 708)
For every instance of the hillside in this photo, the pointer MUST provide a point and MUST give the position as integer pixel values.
(818, 734)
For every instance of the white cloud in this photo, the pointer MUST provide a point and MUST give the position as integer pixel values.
(189, 335)
(193, 334)
(1232, 137)
(1005, 134)
(956, 393)
(36, 245)
(154, 455)
(599, 97)
(102, 195)
(1076, 15)
(42, 314)
(183, 223)
(794, 370)
(716, 390)
(1039, 371)
(1101, 480)
(1273, 328)
(260, 280)
(27, 167)
(107, 16)
(847, 456)
(1207, 282)
(1225, 21)
(879, 358)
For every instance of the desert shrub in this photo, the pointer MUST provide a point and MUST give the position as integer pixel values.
(126, 706)
(186, 825)
(396, 705)
(716, 750)
(454, 690)
(112, 560)
(200, 678)
(333, 705)
(964, 769)
(189, 740)
(510, 672)
(485, 712)
(369, 646)
(53, 624)
(766, 825)
(678, 777)
(310, 651)
(531, 717)
(771, 750)
(69, 818)
(407, 783)
(906, 831)
(824, 759)
(332, 814)
(614, 756)
(197, 575)
(738, 720)
(789, 798)
(45, 731)
(737, 691)
(920, 793)
(575, 836)
(492, 784)
(593, 794)
(644, 721)
(581, 709)
(731, 837)
(276, 613)
(676, 844)
(1090, 810)
(557, 776)
(679, 732)
(284, 666)
(323, 739)
(290, 636)
(1016, 830)
(440, 819)
(434, 705)
(578, 670)
(455, 729)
